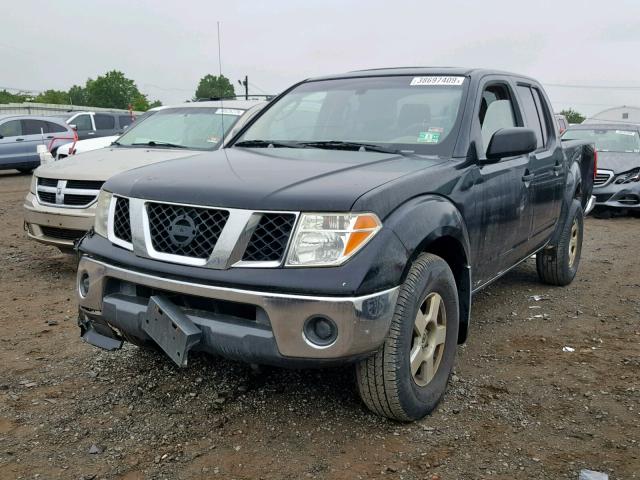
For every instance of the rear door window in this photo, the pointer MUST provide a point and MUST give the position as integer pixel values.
(531, 114)
(34, 127)
(12, 128)
(543, 114)
(104, 122)
(55, 128)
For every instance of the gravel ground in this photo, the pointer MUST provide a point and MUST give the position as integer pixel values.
(518, 405)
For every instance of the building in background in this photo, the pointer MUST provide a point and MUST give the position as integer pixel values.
(623, 114)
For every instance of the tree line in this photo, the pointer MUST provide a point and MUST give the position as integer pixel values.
(115, 90)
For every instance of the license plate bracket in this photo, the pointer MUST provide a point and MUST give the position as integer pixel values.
(171, 329)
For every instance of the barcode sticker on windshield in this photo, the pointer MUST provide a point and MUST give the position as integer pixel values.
(432, 80)
(229, 111)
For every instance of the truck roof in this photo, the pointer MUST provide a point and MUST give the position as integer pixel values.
(457, 71)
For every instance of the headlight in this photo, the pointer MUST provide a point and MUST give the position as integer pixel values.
(628, 177)
(102, 213)
(329, 239)
(34, 184)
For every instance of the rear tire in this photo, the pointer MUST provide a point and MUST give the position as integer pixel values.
(406, 378)
(558, 265)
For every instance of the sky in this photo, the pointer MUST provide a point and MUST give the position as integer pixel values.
(167, 46)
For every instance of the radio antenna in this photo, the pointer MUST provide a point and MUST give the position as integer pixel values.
(220, 77)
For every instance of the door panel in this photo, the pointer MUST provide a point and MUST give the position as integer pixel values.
(546, 188)
(34, 133)
(503, 215)
(545, 166)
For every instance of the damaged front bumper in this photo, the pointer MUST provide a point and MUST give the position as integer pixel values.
(618, 195)
(252, 326)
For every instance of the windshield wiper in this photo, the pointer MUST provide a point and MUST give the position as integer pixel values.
(155, 143)
(340, 145)
(268, 144)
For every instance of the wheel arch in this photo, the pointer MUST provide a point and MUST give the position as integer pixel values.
(433, 224)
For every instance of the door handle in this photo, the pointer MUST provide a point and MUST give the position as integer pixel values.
(527, 177)
(50, 137)
(19, 139)
(91, 133)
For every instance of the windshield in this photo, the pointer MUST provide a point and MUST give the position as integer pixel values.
(406, 113)
(197, 128)
(607, 140)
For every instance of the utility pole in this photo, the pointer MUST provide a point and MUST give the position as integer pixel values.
(245, 84)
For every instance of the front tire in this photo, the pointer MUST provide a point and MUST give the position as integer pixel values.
(406, 378)
(558, 265)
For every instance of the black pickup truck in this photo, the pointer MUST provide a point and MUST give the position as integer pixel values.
(350, 221)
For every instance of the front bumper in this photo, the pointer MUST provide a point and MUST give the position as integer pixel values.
(618, 195)
(56, 225)
(253, 326)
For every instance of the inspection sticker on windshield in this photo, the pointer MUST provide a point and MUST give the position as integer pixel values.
(433, 81)
(429, 137)
(229, 111)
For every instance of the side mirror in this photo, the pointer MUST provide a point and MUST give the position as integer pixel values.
(73, 127)
(510, 142)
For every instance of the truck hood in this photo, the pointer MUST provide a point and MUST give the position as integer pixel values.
(618, 162)
(104, 163)
(268, 179)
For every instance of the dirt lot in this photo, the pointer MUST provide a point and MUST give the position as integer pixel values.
(517, 407)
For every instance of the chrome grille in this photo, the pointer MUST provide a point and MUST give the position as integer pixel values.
(602, 178)
(270, 238)
(184, 230)
(48, 182)
(217, 238)
(121, 220)
(68, 193)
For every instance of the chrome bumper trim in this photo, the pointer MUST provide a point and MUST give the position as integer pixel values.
(363, 322)
(591, 203)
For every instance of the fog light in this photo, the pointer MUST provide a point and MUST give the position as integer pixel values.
(83, 284)
(320, 331)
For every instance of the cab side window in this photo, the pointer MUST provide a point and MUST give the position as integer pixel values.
(496, 112)
(82, 122)
(531, 114)
(104, 122)
(543, 112)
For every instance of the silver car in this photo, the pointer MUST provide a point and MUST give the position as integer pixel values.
(20, 136)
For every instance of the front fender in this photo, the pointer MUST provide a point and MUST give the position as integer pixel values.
(424, 219)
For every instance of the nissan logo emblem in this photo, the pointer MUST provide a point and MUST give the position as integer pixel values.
(182, 231)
